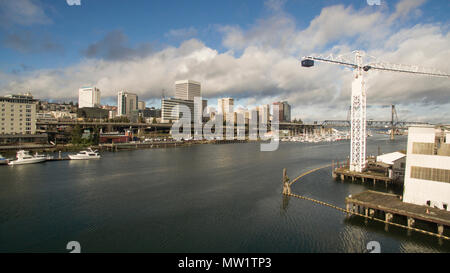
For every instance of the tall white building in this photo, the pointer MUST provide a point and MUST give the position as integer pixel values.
(88, 97)
(18, 114)
(264, 113)
(170, 109)
(141, 105)
(126, 103)
(225, 106)
(427, 174)
(187, 90)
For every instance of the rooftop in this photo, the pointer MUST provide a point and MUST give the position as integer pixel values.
(390, 158)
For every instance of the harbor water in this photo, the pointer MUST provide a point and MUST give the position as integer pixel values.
(200, 198)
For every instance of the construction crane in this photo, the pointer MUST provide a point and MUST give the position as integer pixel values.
(358, 100)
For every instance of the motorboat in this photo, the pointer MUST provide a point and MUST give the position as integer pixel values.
(3, 160)
(83, 155)
(24, 157)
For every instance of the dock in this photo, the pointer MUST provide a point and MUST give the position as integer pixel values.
(370, 204)
(342, 172)
(390, 205)
(140, 145)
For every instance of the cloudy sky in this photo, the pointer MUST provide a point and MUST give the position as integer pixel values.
(246, 49)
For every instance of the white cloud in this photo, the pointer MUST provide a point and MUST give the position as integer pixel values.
(22, 12)
(405, 7)
(267, 67)
(182, 33)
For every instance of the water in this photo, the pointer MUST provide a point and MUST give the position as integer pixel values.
(203, 198)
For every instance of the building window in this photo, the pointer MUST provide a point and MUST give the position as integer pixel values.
(431, 174)
(423, 148)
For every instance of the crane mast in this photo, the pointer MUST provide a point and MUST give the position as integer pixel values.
(358, 123)
(359, 96)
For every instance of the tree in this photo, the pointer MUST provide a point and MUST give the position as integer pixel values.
(76, 135)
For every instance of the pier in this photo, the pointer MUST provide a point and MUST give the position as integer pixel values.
(390, 205)
(343, 173)
(369, 203)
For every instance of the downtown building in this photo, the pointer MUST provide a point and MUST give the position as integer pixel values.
(187, 90)
(225, 107)
(427, 174)
(88, 97)
(284, 111)
(185, 93)
(18, 114)
(126, 103)
(264, 114)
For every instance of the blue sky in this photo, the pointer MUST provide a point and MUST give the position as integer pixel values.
(73, 28)
(44, 42)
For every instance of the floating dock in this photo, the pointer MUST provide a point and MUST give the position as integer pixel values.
(134, 146)
(370, 202)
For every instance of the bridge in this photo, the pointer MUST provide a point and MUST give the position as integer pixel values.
(103, 124)
(376, 124)
(57, 127)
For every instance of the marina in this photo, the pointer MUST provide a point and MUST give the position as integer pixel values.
(163, 200)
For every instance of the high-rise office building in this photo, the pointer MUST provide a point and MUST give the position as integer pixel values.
(18, 114)
(126, 103)
(141, 105)
(264, 113)
(187, 90)
(170, 109)
(225, 106)
(88, 97)
(284, 111)
(185, 93)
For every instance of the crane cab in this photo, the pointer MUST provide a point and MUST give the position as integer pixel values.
(307, 63)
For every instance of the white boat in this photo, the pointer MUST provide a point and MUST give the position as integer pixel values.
(3, 160)
(24, 157)
(83, 155)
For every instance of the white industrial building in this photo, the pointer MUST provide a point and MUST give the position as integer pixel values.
(427, 175)
(88, 97)
(396, 163)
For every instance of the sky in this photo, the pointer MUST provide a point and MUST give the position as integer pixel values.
(246, 49)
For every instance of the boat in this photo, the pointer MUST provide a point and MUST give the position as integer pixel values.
(3, 160)
(83, 155)
(24, 157)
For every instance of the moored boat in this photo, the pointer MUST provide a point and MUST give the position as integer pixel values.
(84, 155)
(3, 160)
(24, 157)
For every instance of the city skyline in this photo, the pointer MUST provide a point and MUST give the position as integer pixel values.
(236, 57)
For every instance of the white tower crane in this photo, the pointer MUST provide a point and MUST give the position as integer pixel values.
(358, 100)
